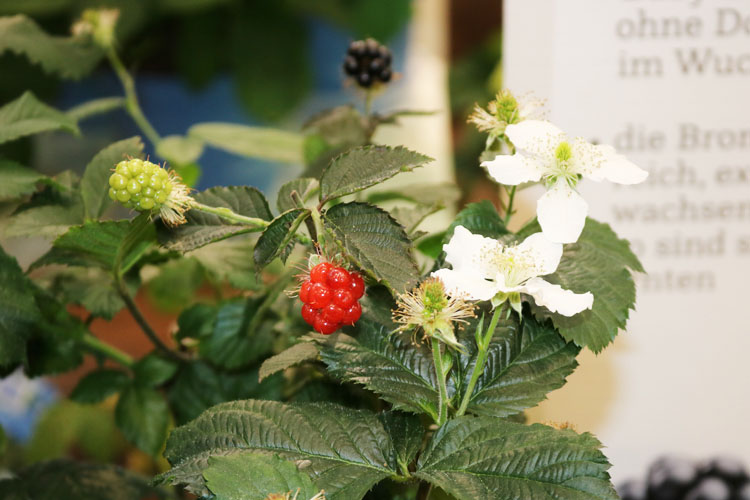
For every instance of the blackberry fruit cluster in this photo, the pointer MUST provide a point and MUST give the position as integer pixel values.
(331, 298)
(368, 62)
(140, 185)
(671, 478)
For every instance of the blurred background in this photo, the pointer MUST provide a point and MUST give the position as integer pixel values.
(676, 383)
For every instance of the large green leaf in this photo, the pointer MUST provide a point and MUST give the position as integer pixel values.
(95, 107)
(406, 433)
(202, 228)
(90, 287)
(18, 311)
(523, 365)
(95, 180)
(68, 480)
(276, 240)
(304, 351)
(479, 218)
(98, 243)
(27, 115)
(46, 220)
(142, 415)
(251, 476)
(366, 166)
(600, 263)
(69, 57)
(98, 385)
(255, 142)
(179, 149)
(376, 243)
(487, 457)
(345, 451)
(397, 370)
(17, 180)
(228, 260)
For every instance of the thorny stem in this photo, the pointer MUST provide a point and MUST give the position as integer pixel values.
(227, 214)
(131, 98)
(150, 333)
(482, 352)
(109, 351)
(443, 390)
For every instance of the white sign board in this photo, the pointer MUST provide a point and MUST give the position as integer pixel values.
(667, 82)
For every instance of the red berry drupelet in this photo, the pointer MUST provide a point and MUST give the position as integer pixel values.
(331, 297)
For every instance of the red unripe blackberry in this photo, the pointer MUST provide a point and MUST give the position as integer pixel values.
(325, 327)
(343, 298)
(338, 277)
(332, 313)
(358, 286)
(304, 292)
(309, 314)
(319, 273)
(320, 296)
(352, 314)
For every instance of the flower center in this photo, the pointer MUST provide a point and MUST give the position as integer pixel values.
(563, 166)
(515, 265)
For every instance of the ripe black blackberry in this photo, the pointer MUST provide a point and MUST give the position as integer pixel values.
(367, 63)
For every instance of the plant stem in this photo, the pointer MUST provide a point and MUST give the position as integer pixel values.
(319, 236)
(150, 333)
(482, 351)
(270, 298)
(442, 389)
(131, 98)
(227, 214)
(509, 211)
(107, 350)
(368, 102)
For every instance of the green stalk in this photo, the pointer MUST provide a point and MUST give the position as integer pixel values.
(131, 98)
(509, 211)
(227, 214)
(482, 352)
(442, 389)
(108, 351)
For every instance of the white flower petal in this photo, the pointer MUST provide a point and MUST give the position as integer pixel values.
(562, 213)
(557, 299)
(616, 168)
(545, 253)
(467, 251)
(513, 170)
(537, 137)
(466, 285)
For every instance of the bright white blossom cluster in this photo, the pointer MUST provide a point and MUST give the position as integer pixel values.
(484, 268)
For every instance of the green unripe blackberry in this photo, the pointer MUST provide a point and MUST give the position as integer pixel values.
(140, 185)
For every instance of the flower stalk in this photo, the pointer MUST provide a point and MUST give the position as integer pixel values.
(440, 370)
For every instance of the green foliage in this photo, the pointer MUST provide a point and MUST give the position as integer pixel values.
(607, 275)
(95, 107)
(363, 167)
(68, 480)
(227, 261)
(181, 150)
(202, 228)
(397, 370)
(27, 115)
(250, 476)
(69, 57)
(17, 180)
(89, 287)
(294, 355)
(345, 451)
(276, 239)
(485, 457)
(99, 385)
(95, 180)
(176, 284)
(303, 186)
(331, 133)
(407, 433)
(142, 415)
(153, 370)
(479, 218)
(255, 142)
(18, 311)
(375, 242)
(524, 364)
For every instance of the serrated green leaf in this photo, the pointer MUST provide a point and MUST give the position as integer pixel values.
(153, 370)
(479, 218)
(140, 236)
(95, 107)
(89, 287)
(27, 115)
(600, 263)
(304, 186)
(276, 238)
(67, 480)
(294, 355)
(199, 386)
(69, 57)
(399, 371)
(18, 311)
(346, 451)
(250, 476)
(142, 415)
(376, 243)
(231, 344)
(486, 457)
(180, 149)
(406, 433)
(97, 243)
(47, 220)
(95, 180)
(202, 228)
(255, 142)
(522, 366)
(99, 385)
(17, 180)
(332, 132)
(366, 166)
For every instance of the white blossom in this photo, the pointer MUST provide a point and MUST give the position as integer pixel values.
(485, 269)
(545, 153)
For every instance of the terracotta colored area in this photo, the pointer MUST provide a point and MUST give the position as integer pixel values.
(124, 333)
